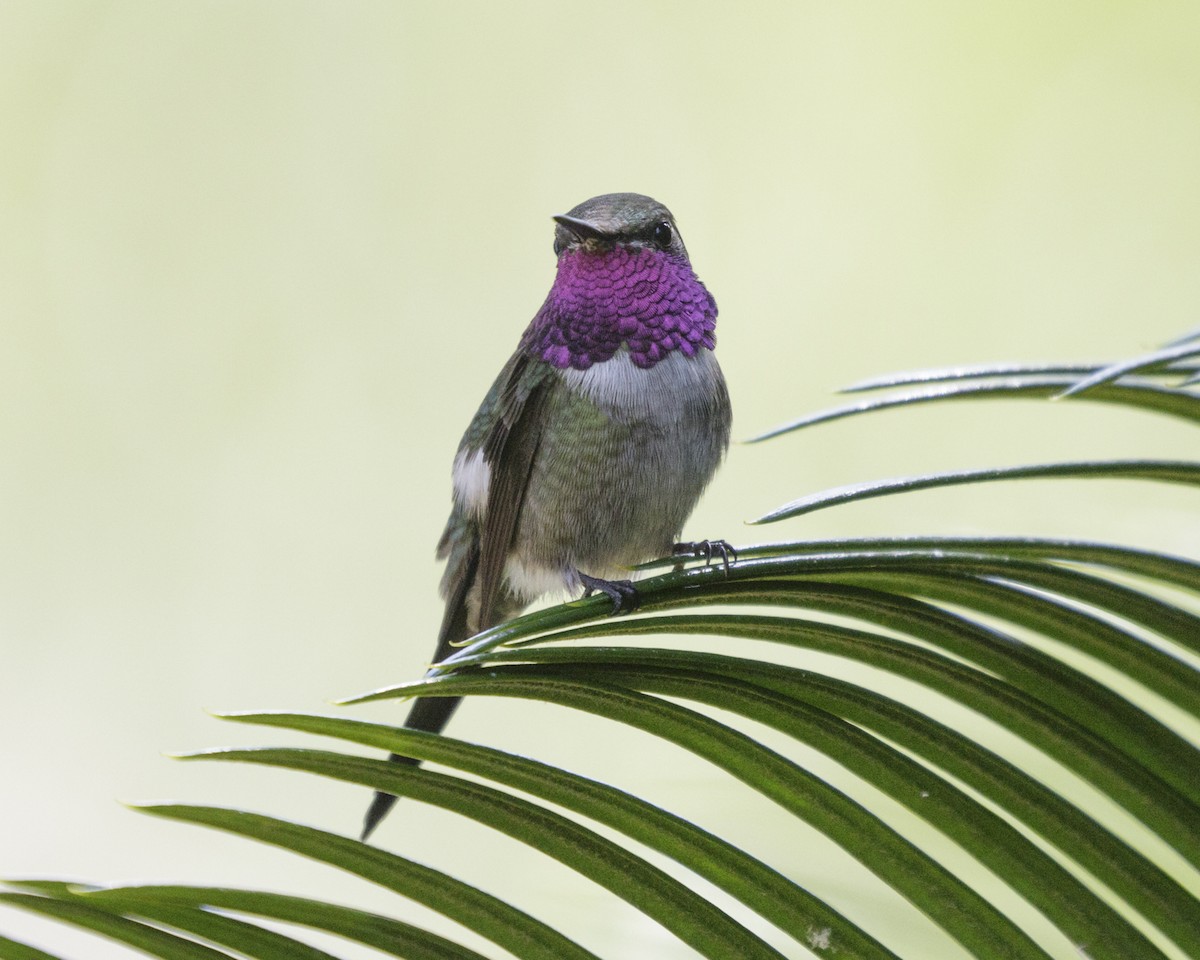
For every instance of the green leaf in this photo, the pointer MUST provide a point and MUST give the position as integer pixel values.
(1084, 741)
(792, 909)
(1130, 875)
(1159, 749)
(1149, 397)
(157, 943)
(382, 933)
(12, 950)
(1032, 372)
(488, 916)
(689, 916)
(1155, 360)
(776, 696)
(241, 937)
(968, 372)
(959, 910)
(1049, 616)
(1167, 471)
(1126, 871)
(1190, 335)
(1172, 570)
(237, 935)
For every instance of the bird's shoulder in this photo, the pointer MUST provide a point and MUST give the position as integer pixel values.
(503, 429)
(519, 379)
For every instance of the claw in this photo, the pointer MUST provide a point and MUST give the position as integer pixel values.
(705, 550)
(622, 593)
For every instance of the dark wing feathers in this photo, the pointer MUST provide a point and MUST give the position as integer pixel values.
(509, 450)
(507, 430)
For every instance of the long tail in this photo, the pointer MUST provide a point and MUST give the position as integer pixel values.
(431, 714)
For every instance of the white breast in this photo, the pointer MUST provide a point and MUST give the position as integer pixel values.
(628, 392)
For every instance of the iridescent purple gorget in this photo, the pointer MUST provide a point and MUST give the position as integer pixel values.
(633, 295)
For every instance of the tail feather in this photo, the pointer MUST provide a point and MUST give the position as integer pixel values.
(431, 714)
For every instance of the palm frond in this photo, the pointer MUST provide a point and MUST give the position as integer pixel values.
(1169, 471)
(1087, 652)
(1151, 391)
(1157, 361)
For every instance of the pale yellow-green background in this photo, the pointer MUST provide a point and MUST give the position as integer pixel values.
(259, 261)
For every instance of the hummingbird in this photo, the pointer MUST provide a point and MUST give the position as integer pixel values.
(594, 443)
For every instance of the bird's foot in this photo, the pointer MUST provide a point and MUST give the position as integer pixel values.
(705, 550)
(622, 593)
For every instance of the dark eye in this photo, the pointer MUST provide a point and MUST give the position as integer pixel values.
(662, 235)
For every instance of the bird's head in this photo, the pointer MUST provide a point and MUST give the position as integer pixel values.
(618, 219)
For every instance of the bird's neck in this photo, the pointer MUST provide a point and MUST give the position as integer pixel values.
(634, 296)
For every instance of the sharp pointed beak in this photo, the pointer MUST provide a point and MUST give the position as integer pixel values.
(582, 229)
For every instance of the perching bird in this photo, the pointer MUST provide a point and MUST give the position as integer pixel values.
(596, 440)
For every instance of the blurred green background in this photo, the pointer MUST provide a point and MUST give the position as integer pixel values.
(260, 260)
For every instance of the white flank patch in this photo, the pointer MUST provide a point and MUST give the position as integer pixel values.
(471, 475)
